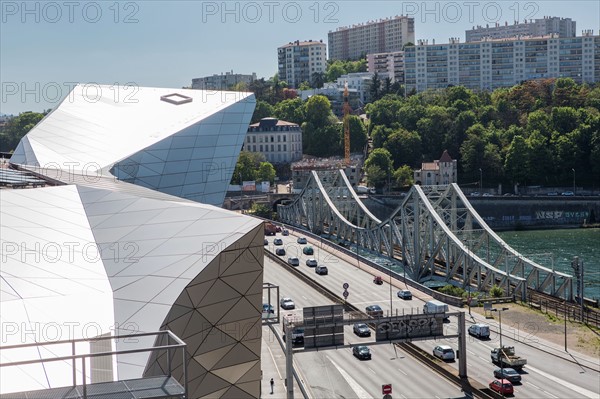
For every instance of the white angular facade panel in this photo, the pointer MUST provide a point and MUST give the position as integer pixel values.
(145, 141)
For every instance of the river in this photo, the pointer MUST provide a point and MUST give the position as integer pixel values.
(559, 247)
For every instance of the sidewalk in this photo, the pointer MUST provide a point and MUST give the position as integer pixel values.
(273, 366)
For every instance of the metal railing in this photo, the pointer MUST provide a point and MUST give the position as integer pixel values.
(74, 357)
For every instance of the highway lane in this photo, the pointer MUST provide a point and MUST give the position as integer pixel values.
(336, 373)
(570, 381)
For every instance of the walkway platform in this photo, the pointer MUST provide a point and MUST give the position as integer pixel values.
(149, 388)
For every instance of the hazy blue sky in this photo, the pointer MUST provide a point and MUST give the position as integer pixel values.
(48, 46)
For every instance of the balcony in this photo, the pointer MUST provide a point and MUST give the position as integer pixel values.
(151, 387)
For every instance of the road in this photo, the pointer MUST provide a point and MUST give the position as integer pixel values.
(544, 376)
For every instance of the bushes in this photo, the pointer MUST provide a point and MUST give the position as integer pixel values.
(496, 292)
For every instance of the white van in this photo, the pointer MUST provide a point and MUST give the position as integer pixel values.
(435, 307)
(480, 330)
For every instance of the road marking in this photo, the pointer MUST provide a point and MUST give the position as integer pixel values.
(582, 391)
(355, 386)
(373, 371)
(304, 297)
(402, 372)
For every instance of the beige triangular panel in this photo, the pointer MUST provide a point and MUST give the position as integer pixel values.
(235, 393)
(243, 281)
(214, 395)
(234, 372)
(214, 313)
(256, 286)
(209, 359)
(253, 331)
(210, 385)
(219, 292)
(254, 374)
(245, 263)
(238, 328)
(179, 325)
(197, 323)
(215, 339)
(253, 345)
(210, 272)
(256, 301)
(239, 354)
(243, 309)
(198, 291)
(230, 257)
(176, 312)
(252, 388)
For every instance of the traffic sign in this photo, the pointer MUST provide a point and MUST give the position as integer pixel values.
(346, 285)
(346, 293)
(386, 389)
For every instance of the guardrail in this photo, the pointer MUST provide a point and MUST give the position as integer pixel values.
(83, 357)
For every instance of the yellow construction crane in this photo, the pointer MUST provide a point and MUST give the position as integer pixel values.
(347, 111)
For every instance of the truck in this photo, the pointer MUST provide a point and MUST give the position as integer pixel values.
(270, 229)
(365, 190)
(505, 357)
(434, 306)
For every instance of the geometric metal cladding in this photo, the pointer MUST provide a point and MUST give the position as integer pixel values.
(218, 316)
(188, 150)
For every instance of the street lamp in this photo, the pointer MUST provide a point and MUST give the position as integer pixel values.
(573, 169)
(501, 347)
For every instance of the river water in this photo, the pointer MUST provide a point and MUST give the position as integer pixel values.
(559, 247)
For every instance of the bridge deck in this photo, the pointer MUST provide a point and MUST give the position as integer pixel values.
(149, 388)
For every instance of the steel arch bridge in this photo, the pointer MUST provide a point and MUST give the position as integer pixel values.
(435, 232)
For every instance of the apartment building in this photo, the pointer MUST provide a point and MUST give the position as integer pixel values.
(279, 141)
(383, 36)
(298, 61)
(391, 64)
(491, 64)
(224, 81)
(563, 27)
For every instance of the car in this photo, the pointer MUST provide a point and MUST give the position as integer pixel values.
(552, 194)
(280, 252)
(322, 270)
(312, 262)
(267, 308)
(405, 294)
(278, 241)
(444, 352)
(362, 352)
(378, 280)
(308, 250)
(374, 311)
(266, 242)
(487, 195)
(285, 232)
(301, 240)
(361, 329)
(480, 330)
(297, 336)
(508, 374)
(475, 194)
(293, 261)
(567, 193)
(287, 303)
(503, 387)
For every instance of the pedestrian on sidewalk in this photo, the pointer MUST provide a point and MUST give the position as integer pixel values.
(272, 385)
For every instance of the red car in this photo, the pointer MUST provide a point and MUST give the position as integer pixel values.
(503, 387)
(378, 280)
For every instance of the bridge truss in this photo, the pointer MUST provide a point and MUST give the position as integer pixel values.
(435, 232)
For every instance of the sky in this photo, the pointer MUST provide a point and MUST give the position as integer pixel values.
(48, 46)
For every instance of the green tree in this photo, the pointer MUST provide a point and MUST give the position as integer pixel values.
(404, 176)
(380, 163)
(304, 86)
(290, 110)
(564, 119)
(334, 70)
(262, 210)
(375, 87)
(358, 134)
(318, 79)
(380, 135)
(263, 110)
(541, 160)
(266, 172)
(496, 291)
(17, 127)
(515, 164)
(247, 166)
(317, 111)
(404, 147)
(383, 112)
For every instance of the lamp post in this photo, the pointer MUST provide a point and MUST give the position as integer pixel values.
(501, 347)
(573, 169)
(480, 180)
(241, 193)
